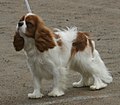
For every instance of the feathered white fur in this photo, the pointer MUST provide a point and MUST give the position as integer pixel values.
(90, 65)
(55, 64)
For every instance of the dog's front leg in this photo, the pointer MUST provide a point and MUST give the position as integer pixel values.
(59, 83)
(36, 93)
(36, 80)
(57, 91)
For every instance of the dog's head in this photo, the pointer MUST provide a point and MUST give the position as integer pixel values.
(32, 26)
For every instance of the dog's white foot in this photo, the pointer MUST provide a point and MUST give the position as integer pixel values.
(56, 93)
(35, 94)
(78, 84)
(97, 87)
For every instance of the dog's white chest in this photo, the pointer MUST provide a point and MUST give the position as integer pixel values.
(42, 65)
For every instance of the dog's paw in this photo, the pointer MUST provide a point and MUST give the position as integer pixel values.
(77, 84)
(35, 96)
(97, 87)
(56, 93)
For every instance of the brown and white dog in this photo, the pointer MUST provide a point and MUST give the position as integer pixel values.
(51, 54)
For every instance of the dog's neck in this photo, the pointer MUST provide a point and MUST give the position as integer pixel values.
(29, 46)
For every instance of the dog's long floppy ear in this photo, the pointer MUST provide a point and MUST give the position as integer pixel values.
(44, 38)
(18, 42)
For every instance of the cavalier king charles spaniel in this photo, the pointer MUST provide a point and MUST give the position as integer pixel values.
(51, 55)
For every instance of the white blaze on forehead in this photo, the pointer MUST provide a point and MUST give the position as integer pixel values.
(29, 14)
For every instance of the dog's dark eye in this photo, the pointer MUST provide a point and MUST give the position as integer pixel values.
(29, 24)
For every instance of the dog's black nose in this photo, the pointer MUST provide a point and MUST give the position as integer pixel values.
(20, 23)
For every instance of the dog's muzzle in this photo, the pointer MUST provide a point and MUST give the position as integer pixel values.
(20, 24)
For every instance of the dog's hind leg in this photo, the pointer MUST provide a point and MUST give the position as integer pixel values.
(84, 81)
(98, 83)
(79, 83)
